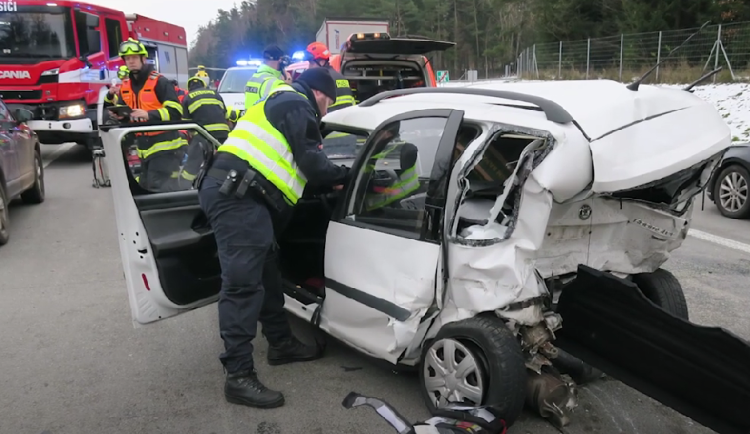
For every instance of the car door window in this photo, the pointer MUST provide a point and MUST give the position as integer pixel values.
(392, 183)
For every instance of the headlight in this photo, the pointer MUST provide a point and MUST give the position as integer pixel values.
(55, 71)
(72, 111)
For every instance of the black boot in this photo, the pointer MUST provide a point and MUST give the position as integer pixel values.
(292, 350)
(244, 388)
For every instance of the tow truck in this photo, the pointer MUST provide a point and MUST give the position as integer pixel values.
(57, 60)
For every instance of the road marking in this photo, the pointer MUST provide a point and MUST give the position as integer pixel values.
(57, 153)
(726, 242)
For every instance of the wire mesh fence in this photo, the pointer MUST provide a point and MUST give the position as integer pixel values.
(627, 56)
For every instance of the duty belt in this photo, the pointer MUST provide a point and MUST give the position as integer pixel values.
(238, 184)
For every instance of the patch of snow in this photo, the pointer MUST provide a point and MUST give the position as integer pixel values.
(732, 100)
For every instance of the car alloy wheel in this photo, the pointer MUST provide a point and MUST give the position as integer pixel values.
(453, 374)
(733, 192)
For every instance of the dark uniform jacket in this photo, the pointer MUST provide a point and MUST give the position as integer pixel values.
(298, 119)
(344, 94)
(207, 109)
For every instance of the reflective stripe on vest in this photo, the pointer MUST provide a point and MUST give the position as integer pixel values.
(260, 86)
(147, 99)
(266, 150)
(170, 144)
(407, 184)
(344, 97)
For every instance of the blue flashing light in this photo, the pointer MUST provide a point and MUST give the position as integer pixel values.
(242, 63)
(298, 55)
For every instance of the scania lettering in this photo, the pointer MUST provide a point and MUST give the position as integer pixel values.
(8, 6)
(15, 74)
(58, 59)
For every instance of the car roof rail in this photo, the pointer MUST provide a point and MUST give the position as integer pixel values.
(554, 111)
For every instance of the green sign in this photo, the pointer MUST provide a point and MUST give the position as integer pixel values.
(442, 77)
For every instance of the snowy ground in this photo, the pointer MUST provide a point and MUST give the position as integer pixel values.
(731, 100)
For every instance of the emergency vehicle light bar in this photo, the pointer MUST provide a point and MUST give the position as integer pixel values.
(368, 36)
(249, 63)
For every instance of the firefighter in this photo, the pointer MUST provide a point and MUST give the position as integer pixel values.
(248, 193)
(152, 98)
(268, 77)
(318, 56)
(206, 108)
(201, 72)
(180, 91)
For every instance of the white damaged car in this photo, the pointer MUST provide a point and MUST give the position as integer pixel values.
(538, 220)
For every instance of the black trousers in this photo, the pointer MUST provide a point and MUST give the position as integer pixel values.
(251, 288)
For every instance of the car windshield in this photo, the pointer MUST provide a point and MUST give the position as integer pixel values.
(234, 80)
(36, 35)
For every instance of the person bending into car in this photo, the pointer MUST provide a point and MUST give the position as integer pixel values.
(152, 98)
(248, 193)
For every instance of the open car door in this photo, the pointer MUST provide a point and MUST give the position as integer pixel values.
(382, 257)
(168, 250)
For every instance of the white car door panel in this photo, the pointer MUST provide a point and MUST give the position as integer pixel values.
(381, 264)
(168, 250)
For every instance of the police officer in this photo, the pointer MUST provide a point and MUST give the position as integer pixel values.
(206, 108)
(247, 194)
(318, 56)
(269, 76)
(152, 98)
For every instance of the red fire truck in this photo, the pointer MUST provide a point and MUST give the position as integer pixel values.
(57, 58)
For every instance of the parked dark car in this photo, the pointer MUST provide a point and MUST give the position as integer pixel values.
(21, 168)
(729, 185)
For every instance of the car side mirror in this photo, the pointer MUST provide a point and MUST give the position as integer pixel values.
(85, 60)
(23, 115)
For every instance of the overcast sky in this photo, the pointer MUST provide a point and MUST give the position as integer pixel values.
(187, 14)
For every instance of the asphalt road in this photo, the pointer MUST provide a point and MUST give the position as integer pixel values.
(71, 361)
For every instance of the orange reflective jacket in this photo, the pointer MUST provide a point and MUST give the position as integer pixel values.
(146, 98)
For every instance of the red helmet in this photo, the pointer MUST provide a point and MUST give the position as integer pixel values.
(319, 51)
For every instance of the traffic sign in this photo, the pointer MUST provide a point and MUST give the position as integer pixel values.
(442, 77)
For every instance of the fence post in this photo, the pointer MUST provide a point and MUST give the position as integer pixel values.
(559, 62)
(658, 58)
(588, 57)
(622, 44)
(718, 51)
(533, 61)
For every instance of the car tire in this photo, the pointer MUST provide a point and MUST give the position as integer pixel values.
(498, 373)
(662, 288)
(35, 194)
(733, 180)
(4, 219)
